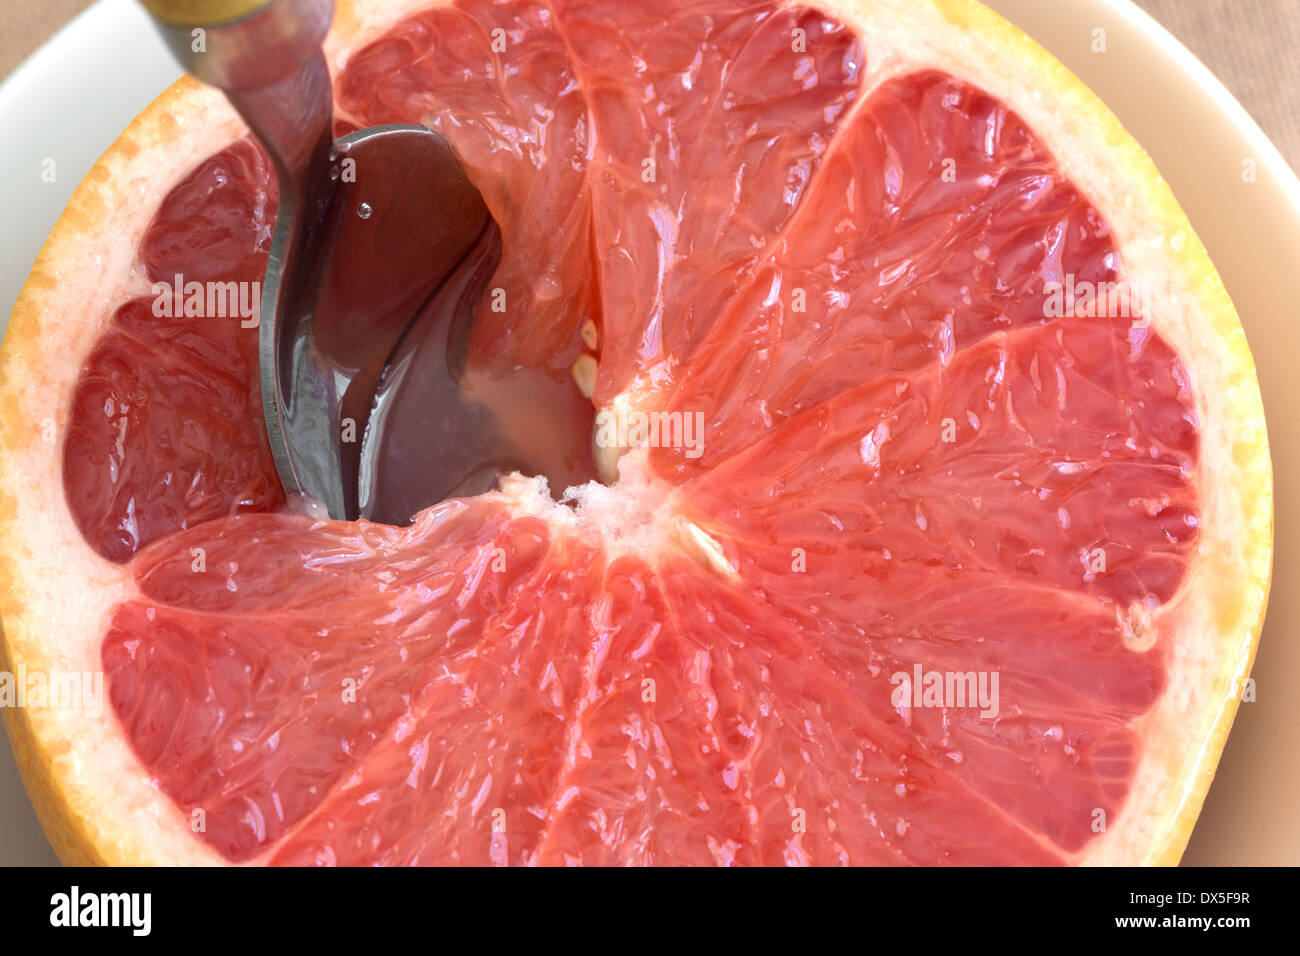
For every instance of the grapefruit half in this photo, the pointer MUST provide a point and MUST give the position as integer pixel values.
(965, 563)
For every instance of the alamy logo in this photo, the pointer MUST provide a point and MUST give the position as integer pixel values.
(75, 908)
(923, 688)
(1106, 300)
(208, 300)
(636, 429)
(57, 690)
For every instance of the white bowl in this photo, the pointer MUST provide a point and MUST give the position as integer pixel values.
(73, 97)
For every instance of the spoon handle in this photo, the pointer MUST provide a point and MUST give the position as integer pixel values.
(266, 56)
(201, 12)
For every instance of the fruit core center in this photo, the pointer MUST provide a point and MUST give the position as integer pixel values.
(446, 423)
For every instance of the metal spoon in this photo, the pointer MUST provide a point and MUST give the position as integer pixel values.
(380, 239)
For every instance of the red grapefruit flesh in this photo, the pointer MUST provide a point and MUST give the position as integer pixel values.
(908, 460)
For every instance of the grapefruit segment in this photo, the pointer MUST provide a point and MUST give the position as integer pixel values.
(161, 432)
(938, 220)
(830, 234)
(1063, 485)
(743, 99)
(513, 754)
(216, 223)
(160, 435)
(253, 685)
(496, 80)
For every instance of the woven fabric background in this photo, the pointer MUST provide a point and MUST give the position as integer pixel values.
(1250, 44)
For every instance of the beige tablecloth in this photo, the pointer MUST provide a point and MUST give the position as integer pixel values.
(1251, 46)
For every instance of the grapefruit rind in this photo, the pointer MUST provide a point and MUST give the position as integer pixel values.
(73, 767)
(96, 804)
